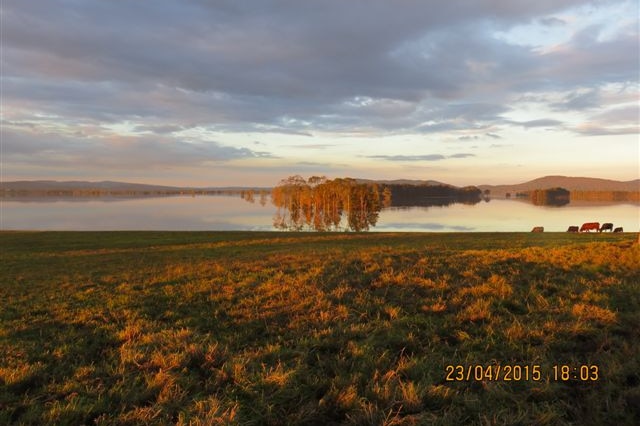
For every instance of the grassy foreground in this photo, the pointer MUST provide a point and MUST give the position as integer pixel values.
(275, 328)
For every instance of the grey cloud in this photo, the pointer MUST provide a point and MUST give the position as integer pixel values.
(578, 101)
(596, 130)
(312, 146)
(162, 129)
(588, 61)
(467, 138)
(427, 157)
(315, 165)
(621, 115)
(442, 117)
(305, 168)
(552, 21)
(543, 122)
(623, 120)
(292, 67)
(475, 111)
(105, 151)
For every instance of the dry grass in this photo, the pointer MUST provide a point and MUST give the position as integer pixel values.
(233, 328)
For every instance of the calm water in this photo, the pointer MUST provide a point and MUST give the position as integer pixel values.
(233, 213)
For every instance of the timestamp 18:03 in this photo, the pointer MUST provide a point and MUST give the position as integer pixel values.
(517, 372)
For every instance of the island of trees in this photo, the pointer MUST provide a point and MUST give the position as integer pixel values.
(432, 195)
(561, 196)
(617, 196)
(323, 204)
(320, 204)
(549, 197)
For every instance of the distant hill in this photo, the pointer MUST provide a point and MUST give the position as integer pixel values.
(567, 182)
(52, 186)
(404, 182)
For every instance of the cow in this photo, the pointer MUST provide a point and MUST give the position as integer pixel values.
(618, 229)
(573, 229)
(590, 226)
(538, 229)
(606, 226)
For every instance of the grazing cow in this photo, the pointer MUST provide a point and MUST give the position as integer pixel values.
(606, 226)
(573, 229)
(618, 229)
(590, 226)
(538, 229)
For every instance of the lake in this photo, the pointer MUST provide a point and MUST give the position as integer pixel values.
(233, 213)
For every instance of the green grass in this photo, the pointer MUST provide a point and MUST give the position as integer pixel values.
(201, 328)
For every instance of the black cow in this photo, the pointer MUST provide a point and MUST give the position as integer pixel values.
(606, 227)
(573, 229)
(618, 229)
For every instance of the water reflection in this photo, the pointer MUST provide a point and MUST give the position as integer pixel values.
(428, 226)
(182, 212)
(502, 215)
(233, 213)
(320, 204)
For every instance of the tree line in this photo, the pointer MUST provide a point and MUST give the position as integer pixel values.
(432, 195)
(321, 204)
(561, 196)
(549, 197)
(633, 196)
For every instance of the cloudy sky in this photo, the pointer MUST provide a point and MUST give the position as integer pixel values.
(245, 92)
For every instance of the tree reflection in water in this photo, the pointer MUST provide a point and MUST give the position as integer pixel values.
(321, 204)
(345, 204)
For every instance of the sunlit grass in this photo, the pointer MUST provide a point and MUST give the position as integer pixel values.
(278, 328)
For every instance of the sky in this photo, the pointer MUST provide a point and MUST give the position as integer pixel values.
(244, 92)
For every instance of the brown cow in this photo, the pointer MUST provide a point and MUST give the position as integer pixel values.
(590, 226)
(606, 226)
(573, 229)
(538, 229)
(618, 229)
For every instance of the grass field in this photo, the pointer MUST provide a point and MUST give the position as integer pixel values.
(278, 328)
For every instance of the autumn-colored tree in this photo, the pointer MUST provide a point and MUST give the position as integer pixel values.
(320, 204)
(386, 197)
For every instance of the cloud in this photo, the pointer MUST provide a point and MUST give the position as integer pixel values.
(578, 101)
(162, 129)
(104, 151)
(589, 60)
(330, 68)
(596, 130)
(427, 157)
(467, 138)
(312, 146)
(628, 114)
(623, 120)
(430, 157)
(552, 21)
(543, 122)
